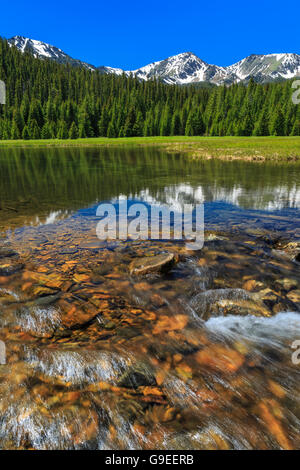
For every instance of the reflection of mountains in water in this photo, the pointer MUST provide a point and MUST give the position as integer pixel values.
(176, 196)
(263, 198)
(46, 185)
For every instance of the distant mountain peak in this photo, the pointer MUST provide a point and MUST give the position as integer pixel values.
(184, 68)
(42, 50)
(264, 68)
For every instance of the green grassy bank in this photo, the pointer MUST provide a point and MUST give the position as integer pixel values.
(229, 148)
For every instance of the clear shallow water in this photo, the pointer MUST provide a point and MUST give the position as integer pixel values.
(196, 358)
(46, 185)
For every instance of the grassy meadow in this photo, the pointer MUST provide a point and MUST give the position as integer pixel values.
(227, 148)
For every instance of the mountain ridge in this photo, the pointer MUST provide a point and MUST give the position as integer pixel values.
(43, 50)
(182, 69)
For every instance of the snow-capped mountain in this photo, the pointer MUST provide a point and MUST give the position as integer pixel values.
(182, 69)
(187, 68)
(266, 67)
(42, 50)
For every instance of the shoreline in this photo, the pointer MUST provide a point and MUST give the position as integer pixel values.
(257, 149)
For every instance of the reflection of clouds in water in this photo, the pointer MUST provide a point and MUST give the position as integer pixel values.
(175, 196)
(52, 218)
(263, 198)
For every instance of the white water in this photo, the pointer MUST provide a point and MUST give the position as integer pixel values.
(274, 331)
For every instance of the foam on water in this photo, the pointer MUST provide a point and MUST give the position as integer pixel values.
(79, 367)
(39, 320)
(25, 422)
(274, 331)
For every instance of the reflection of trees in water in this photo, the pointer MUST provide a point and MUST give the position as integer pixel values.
(63, 178)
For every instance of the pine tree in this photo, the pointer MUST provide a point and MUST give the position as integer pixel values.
(189, 126)
(73, 132)
(62, 132)
(34, 130)
(278, 123)
(25, 133)
(296, 128)
(15, 133)
(176, 124)
(46, 131)
(129, 123)
(137, 130)
(111, 131)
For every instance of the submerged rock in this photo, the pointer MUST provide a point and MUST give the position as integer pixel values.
(220, 358)
(212, 236)
(136, 377)
(291, 250)
(222, 302)
(7, 297)
(46, 300)
(287, 283)
(151, 264)
(294, 296)
(8, 269)
(7, 252)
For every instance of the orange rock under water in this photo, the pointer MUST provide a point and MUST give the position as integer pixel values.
(219, 358)
(165, 323)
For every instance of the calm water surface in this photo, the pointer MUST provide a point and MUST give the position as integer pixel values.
(198, 358)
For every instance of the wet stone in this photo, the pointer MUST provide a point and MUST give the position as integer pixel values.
(294, 296)
(134, 378)
(287, 283)
(101, 270)
(152, 264)
(222, 302)
(47, 300)
(92, 245)
(7, 269)
(68, 251)
(292, 250)
(128, 333)
(7, 252)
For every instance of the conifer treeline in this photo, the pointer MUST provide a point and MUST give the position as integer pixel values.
(48, 100)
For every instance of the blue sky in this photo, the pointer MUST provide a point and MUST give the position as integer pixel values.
(130, 34)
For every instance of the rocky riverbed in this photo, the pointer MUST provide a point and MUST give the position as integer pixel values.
(145, 345)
